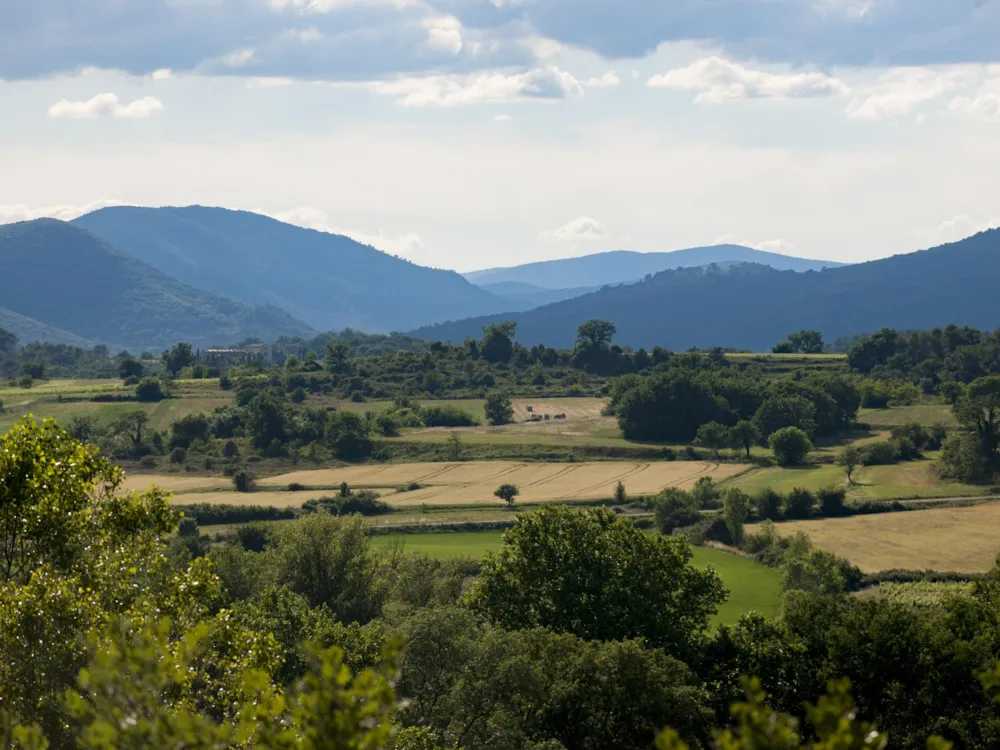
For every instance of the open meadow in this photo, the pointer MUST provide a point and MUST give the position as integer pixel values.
(752, 587)
(965, 539)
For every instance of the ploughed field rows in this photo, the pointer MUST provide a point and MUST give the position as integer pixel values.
(961, 539)
(465, 483)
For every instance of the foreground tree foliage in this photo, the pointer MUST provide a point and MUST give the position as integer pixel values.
(599, 577)
(581, 632)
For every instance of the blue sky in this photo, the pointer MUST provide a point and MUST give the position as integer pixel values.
(475, 133)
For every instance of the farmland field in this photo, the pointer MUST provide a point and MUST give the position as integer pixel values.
(465, 483)
(473, 482)
(961, 539)
(752, 587)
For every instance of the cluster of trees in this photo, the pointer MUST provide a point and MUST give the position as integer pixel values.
(581, 631)
(41, 360)
(972, 453)
(802, 342)
(676, 401)
(928, 359)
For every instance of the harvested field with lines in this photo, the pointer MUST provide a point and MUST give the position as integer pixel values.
(468, 483)
(960, 539)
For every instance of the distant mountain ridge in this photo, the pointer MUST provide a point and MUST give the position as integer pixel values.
(63, 277)
(751, 306)
(520, 296)
(28, 329)
(626, 266)
(329, 281)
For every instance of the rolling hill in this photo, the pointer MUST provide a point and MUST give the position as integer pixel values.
(66, 278)
(751, 306)
(329, 281)
(520, 296)
(28, 330)
(623, 266)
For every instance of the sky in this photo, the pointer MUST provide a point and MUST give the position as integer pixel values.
(470, 134)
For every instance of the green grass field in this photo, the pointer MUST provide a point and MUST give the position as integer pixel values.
(927, 414)
(752, 587)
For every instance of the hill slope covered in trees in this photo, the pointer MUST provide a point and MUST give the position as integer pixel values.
(623, 266)
(66, 278)
(330, 281)
(753, 307)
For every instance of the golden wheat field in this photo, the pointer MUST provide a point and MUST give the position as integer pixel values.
(463, 483)
(961, 539)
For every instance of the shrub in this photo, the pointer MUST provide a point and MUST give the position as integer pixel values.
(254, 536)
(296, 487)
(178, 456)
(365, 503)
(767, 504)
(447, 416)
(26, 381)
(230, 449)
(799, 503)
(881, 453)
(148, 462)
(674, 509)
(207, 514)
(131, 380)
(244, 481)
(358, 397)
(299, 395)
(225, 383)
(832, 502)
(187, 429)
(149, 390)
(790, 445)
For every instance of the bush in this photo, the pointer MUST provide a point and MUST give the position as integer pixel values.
(832, 502)
(447, 416)
(299, 395)
(254, 536)
(365, 503)
(767, 504)
(225, 383)
(358, 397)
(149, 390)
(230, 449)
(296, 487)
(799, 503)
(148, 462)
(790, 446)
(178, 456)
(244, 481)
(187, 429)
(131, 380)
(26, 381)
(207, 514)
(880, 453)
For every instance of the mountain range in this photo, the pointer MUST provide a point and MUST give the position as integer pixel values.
(623, 266)
(750, 306)
(329, 281)
(60, 282)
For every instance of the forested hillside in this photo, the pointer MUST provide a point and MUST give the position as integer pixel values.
(753, 307)
(330, 281)
(623, 266)
(66, 278)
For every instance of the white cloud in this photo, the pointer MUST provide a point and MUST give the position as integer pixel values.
(717, 79)
(503, 118)
(163, 74)
(984, 102)
(267, 82)
(403, 245)
(238, 59)
(65, 212)
(900, 91)
(954, 229)
(444, 35)
(582, 228)
(106, 104)
(607, 80)
(457, 91)
(328, 6)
